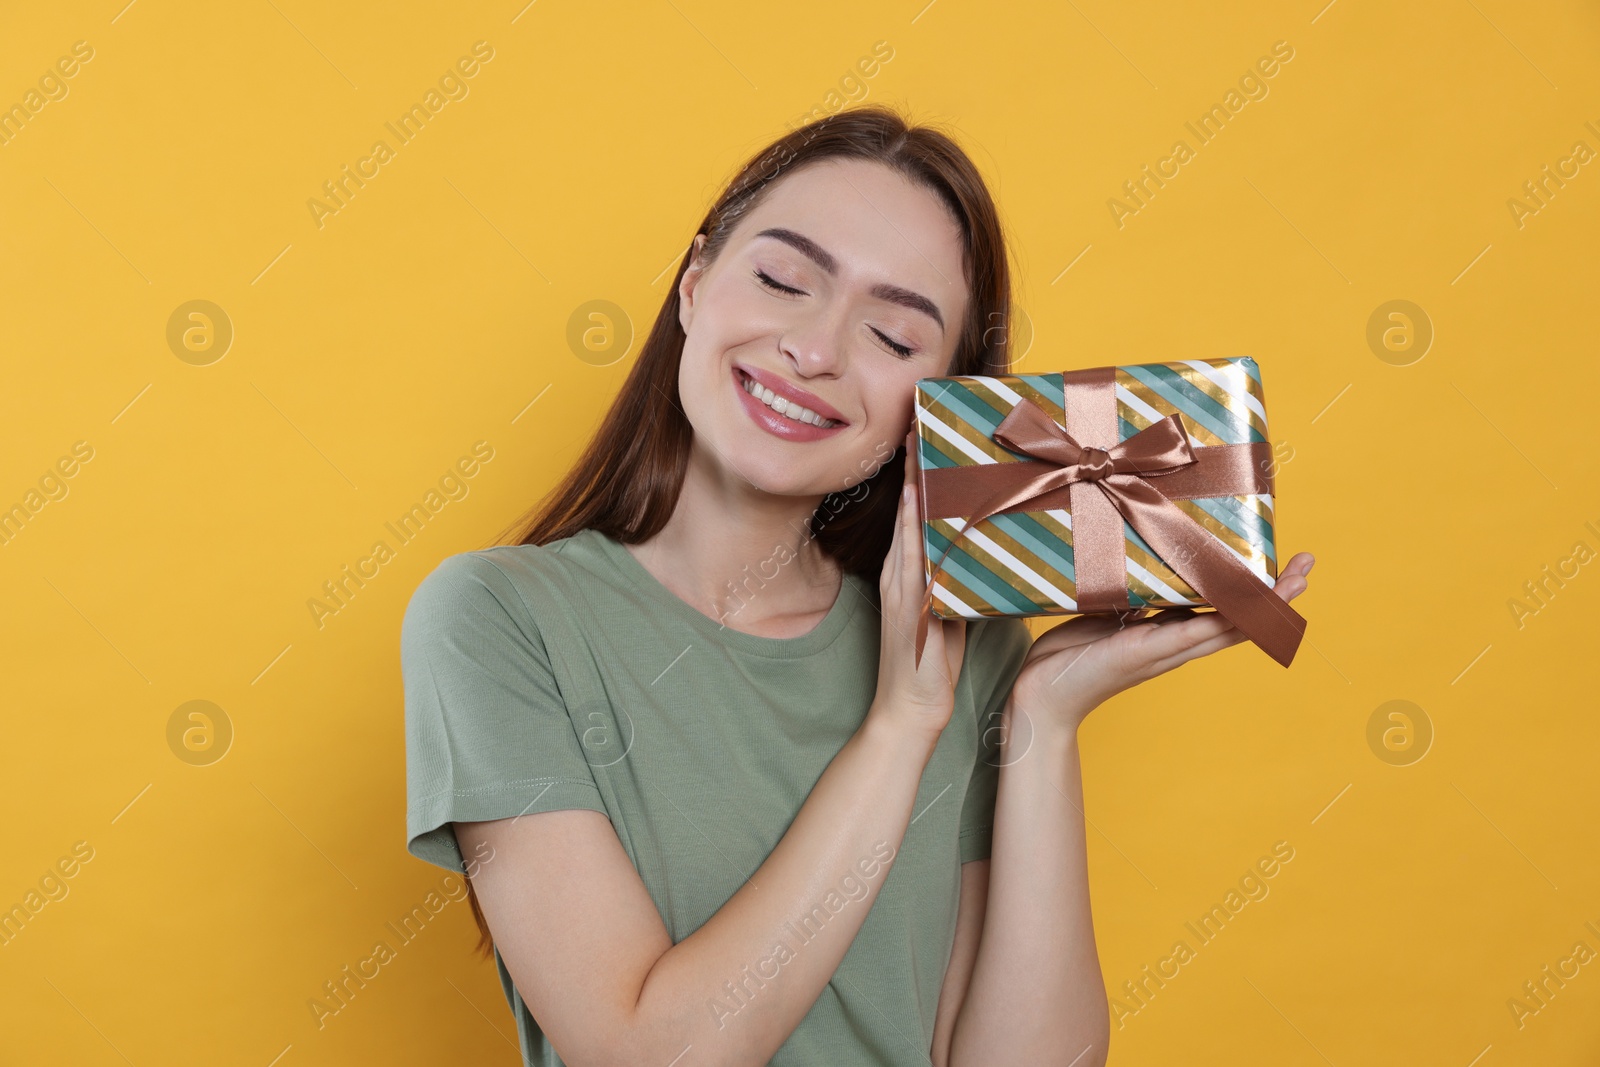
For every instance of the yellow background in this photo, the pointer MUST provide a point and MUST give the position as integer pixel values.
(431, 312)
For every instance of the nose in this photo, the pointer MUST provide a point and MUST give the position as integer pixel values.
(815, 343)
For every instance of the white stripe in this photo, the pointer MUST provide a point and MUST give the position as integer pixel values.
(1157, 586)
(1150, 413)
(950, 437)
(959, 607)
(1228, 379)
(1021, 569)
(1000, 389)
(1065, 519)
(1258, 567)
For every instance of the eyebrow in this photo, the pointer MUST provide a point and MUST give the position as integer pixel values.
(894, 294)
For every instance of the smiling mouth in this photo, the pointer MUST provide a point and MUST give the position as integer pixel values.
(787, 408)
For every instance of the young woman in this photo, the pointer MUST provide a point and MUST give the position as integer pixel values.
(710, 811)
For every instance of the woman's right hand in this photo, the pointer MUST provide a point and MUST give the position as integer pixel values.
(919, 697)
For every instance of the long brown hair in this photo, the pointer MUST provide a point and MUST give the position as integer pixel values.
(626, 482)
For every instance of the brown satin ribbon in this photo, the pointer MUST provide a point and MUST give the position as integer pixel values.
(1219, 470)
(1103, 484)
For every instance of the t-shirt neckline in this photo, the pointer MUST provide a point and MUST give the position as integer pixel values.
(851, 595)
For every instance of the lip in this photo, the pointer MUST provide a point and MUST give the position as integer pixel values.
(793, 392)
(775, 424)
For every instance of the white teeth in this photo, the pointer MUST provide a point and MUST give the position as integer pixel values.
(784, 407)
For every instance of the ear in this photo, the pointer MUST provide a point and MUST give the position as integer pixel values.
(689, 285)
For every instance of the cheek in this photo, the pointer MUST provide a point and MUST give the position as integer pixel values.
(732, 312)
(888, 395)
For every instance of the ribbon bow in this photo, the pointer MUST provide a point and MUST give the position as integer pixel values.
(1107, 485)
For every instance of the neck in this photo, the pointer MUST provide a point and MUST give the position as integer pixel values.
(742, 556)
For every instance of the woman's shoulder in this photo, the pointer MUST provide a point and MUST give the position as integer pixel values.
(515, 580)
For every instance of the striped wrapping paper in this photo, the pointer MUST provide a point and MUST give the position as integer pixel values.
(1020, 563)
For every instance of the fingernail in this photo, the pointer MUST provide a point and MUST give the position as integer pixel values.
(1313, 563)
(905, 494)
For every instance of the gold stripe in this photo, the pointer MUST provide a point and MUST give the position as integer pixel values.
(1061, 532)
(1039, 566)
(1023, 388)
(1002, 574)
(1257, 507)
(1198, 430)
(965, 430)
(948, 451)
(1156, 566)
(1232, 402)
(959, 592)
(1216, 529)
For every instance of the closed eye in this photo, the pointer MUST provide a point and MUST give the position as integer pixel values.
(777, 286)
(900, 350)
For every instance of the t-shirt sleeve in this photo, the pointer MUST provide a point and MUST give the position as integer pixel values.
(995, 652)
(487, 733)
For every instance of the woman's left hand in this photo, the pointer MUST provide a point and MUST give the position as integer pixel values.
(1074, 667)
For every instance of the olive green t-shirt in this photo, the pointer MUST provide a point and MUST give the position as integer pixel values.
(566, 675)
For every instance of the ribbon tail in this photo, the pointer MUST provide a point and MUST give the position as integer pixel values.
(1214, 572)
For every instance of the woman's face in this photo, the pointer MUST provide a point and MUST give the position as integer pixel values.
(837, 292)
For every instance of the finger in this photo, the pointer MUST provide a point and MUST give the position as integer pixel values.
(1204, 648)
(1167, 640)
(1078, 630)
(906, 525)
(889, 576)
(1168, 615)
(1291, 587)
(889, 580)
(912, 561)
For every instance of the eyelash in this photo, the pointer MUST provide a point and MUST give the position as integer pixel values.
(903, 351)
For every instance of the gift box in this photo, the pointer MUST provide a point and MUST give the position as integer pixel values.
(1112, 489)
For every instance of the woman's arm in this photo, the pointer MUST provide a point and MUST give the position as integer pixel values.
(591, 958)
(1036, 994)
(964, 950)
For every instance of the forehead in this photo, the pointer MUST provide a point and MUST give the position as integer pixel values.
(874, 220)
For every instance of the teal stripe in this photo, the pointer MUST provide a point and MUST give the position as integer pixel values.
(1135, 600)
(931, 458)
(1002, 598)
(1031, 533)
(1242, 520)
(962, 401)
(1229, 511)
(975, 576)
(1231, 517)
(1132, 535)
(1193, 403)
(973, 409)
(1048, 386)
